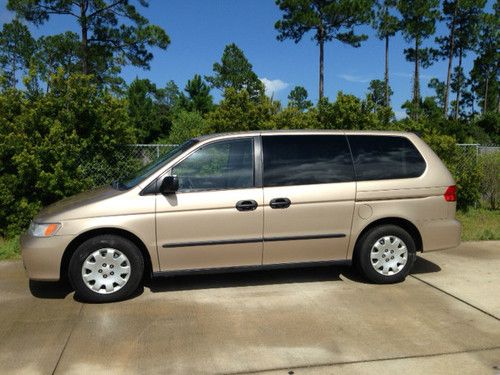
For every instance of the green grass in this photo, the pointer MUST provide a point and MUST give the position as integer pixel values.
(480, 224)
(477, 225)
(9, 249)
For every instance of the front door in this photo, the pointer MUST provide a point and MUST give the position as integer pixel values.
(309, 193)
(215, 219)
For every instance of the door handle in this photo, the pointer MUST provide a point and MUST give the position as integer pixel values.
(246, 205)
(280, 203)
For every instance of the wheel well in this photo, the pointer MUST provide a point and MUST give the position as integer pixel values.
(73, 245)
(403, 223)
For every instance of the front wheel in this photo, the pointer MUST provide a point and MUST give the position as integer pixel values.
(106, 268)
(385, 254)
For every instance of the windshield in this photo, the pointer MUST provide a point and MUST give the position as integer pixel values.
(152, 167)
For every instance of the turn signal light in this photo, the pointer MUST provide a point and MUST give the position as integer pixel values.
(450, 195)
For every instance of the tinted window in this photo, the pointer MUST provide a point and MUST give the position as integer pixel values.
(304, 160)
(380, 157)
(220, 165)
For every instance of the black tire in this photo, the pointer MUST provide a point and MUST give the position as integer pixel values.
(122, 245)
(363, 256)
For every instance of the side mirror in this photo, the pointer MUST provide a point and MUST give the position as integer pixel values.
(169, 185)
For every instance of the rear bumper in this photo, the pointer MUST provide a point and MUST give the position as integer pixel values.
(440, 234)
(42, 256)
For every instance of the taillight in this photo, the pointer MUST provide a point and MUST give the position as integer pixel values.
(450, 195)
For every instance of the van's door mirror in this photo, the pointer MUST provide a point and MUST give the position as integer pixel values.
(169, 185)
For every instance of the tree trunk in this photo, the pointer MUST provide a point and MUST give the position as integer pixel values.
(485, 104)
(14, 68)
(321, 65)
(416, 81)
(459, 84)
(450, 59)
(386, 74)
(84, 32)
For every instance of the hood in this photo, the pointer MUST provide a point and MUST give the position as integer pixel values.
(76, 206)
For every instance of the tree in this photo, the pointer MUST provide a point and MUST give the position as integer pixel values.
(327, 19)
(112, 32)
(440, 90)
(379, 92)
(60, 51)
(143, 110)
(239, 112)
(235, 71)
(16, 48)
(199, 98)
(484, 74)
(386, 25)
(467, 22)
(298, 99)
(417, 24)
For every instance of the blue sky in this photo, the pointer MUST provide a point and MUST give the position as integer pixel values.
(199, 30)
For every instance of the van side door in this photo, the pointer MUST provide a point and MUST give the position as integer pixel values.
(309, 193)
(215, 218)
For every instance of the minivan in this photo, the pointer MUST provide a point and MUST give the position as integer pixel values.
(252, 200)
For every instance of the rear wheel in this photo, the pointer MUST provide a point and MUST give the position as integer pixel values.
(385, 254)
(106, 268)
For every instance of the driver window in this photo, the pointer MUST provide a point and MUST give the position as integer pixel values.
(218, 166)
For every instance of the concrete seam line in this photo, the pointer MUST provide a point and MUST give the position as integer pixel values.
(455, 297)
(364, 361)
(67, 340)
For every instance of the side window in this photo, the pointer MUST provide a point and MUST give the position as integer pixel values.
(305, 160)
(385, 157)
(218, 166)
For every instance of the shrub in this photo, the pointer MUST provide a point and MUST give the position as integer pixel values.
(490, 178)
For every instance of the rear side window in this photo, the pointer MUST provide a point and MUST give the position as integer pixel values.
(385, 157)
(305, 160)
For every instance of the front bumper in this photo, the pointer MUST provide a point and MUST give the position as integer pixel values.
(42, 256)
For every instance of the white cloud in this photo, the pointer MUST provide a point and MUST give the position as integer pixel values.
(273, 85)
(400, 115)
(353, 78)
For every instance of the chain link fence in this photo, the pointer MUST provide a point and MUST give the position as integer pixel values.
(131, 158)
(99, 170)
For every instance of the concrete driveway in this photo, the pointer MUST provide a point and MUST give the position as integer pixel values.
(445, 318)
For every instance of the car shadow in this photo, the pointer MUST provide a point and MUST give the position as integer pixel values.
(61, 289)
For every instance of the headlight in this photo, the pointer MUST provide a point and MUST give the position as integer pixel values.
(44, 230)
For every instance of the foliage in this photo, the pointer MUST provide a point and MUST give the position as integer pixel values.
(16, 49)
(298, 98)
(186, 125)
(43, 142)
(377, 92)
(113, 33)
(235, 72)
(198, 98)
(417, 24)
(328, 20)
(480, 224)
(238, 112)
(490, 182)
(147, 115)
(9, 248)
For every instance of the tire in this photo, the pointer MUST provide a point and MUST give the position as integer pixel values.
(92, 269)
(385, 254)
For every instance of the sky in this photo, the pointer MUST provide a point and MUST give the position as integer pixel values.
(200, 29)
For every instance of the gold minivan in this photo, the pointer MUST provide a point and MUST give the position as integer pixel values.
(252, 200)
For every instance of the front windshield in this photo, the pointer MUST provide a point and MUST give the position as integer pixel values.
(152, 167)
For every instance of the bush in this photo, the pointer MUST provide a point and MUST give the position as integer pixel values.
(44, 139)
(490, 178)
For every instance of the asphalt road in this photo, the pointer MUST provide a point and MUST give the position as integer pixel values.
(445, 318)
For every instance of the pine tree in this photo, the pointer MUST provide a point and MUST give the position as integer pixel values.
(327, 19)
(418, 23)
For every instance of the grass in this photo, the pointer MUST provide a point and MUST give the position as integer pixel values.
(9, 249)
(477, 225)
(480, 224)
